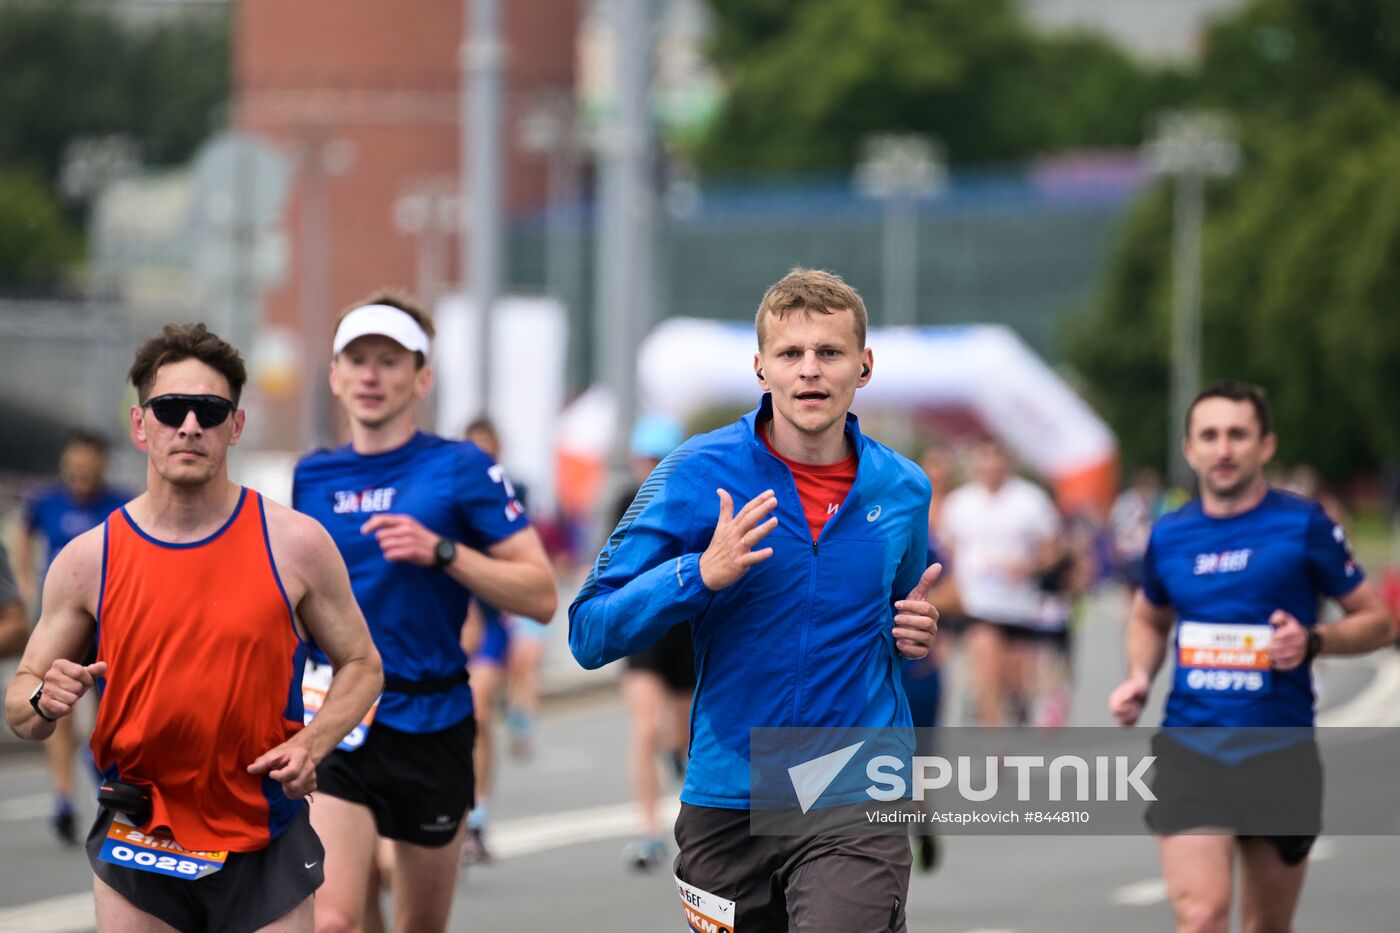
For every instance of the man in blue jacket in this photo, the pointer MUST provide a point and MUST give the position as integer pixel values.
(800, 604)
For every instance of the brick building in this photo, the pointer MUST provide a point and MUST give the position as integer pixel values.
(363, 96)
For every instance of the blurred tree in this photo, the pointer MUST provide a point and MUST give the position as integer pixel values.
(37, 244)
(74, 70)
(808, 79)
(1301, 283)
(1286, 57)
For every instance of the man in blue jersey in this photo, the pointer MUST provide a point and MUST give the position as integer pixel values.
(1240, 572)
(424, 524)
(800, 604)
(14, 632)
(81, 499)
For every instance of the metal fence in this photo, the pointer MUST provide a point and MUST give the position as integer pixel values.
(1004, 247)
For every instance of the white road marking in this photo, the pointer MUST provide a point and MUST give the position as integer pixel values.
(514, 838)
(70, 913)
(1141, 893)
(1376, 704)
(33, 807)
(1154, 890)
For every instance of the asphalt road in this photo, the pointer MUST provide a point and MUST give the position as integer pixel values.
(562, 819)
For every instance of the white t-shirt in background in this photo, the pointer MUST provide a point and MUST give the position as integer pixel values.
(990, 535)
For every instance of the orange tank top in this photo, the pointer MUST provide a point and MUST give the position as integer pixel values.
(204, 675)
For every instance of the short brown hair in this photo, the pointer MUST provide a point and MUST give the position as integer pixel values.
(186, 342)
(1236, 391)
(812, 291)
(395, 298)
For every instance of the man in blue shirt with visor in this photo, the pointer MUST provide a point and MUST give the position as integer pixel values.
(796, 548)
(1240, 572)
(424, 524)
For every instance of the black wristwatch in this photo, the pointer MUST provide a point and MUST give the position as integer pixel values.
(1314, 644)
(34, 702)
(443, 552)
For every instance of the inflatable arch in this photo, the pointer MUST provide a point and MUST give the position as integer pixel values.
(977, 377)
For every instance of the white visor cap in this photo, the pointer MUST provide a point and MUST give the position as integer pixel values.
(384, 320)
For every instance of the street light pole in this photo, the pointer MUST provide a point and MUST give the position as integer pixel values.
(1188, 148)
(627, 224)
(482, 210)
(900, 169)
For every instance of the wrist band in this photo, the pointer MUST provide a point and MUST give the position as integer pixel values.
(1314, 644)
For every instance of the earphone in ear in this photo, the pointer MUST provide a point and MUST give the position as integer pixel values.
(760, 372)
(864, 371)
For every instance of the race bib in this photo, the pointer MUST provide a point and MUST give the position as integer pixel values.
(156, 852)
(315, 684)
(1223, 660)
(704, 912)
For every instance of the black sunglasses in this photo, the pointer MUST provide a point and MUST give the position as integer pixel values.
(209, 410)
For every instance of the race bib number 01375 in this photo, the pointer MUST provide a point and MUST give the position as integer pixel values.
(1218, 659)
(157, 852)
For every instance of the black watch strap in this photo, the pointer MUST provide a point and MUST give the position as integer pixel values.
(1314, 644)
(34, 702)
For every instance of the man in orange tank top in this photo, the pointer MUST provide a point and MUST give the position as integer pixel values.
(201, 598)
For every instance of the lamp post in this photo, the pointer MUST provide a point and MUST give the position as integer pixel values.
(900, 169)
(626, 286)
(482, 174)
(1188, 148)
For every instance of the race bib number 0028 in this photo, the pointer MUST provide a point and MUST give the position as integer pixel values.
(157, 852)
(1217, 659)
(315, 684)
(704, 912)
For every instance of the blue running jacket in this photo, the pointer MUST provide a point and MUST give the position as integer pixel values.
(803, 638)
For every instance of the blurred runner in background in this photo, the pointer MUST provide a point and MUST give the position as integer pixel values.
(14, 630)
(1004, 541)
(81, 500)
(1130, 521)
(658, 683)
(490, 640)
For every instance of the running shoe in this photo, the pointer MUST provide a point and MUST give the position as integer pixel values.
(645, 854)
(928, 851)
(521, 728)
(65, 824)
(474, 851)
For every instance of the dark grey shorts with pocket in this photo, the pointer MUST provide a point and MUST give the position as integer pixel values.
(802, 884)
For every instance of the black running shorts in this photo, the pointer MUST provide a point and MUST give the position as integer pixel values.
(248, 893)
(672, 659)
(417, 785)
(1276, 789)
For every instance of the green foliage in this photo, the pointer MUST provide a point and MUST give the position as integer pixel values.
(808, 79)
(1302, 258)
(1302, 250)
(37, 244)
(1118, 347)
(73, 70)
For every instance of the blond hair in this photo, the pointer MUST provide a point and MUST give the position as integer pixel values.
(811, 291)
